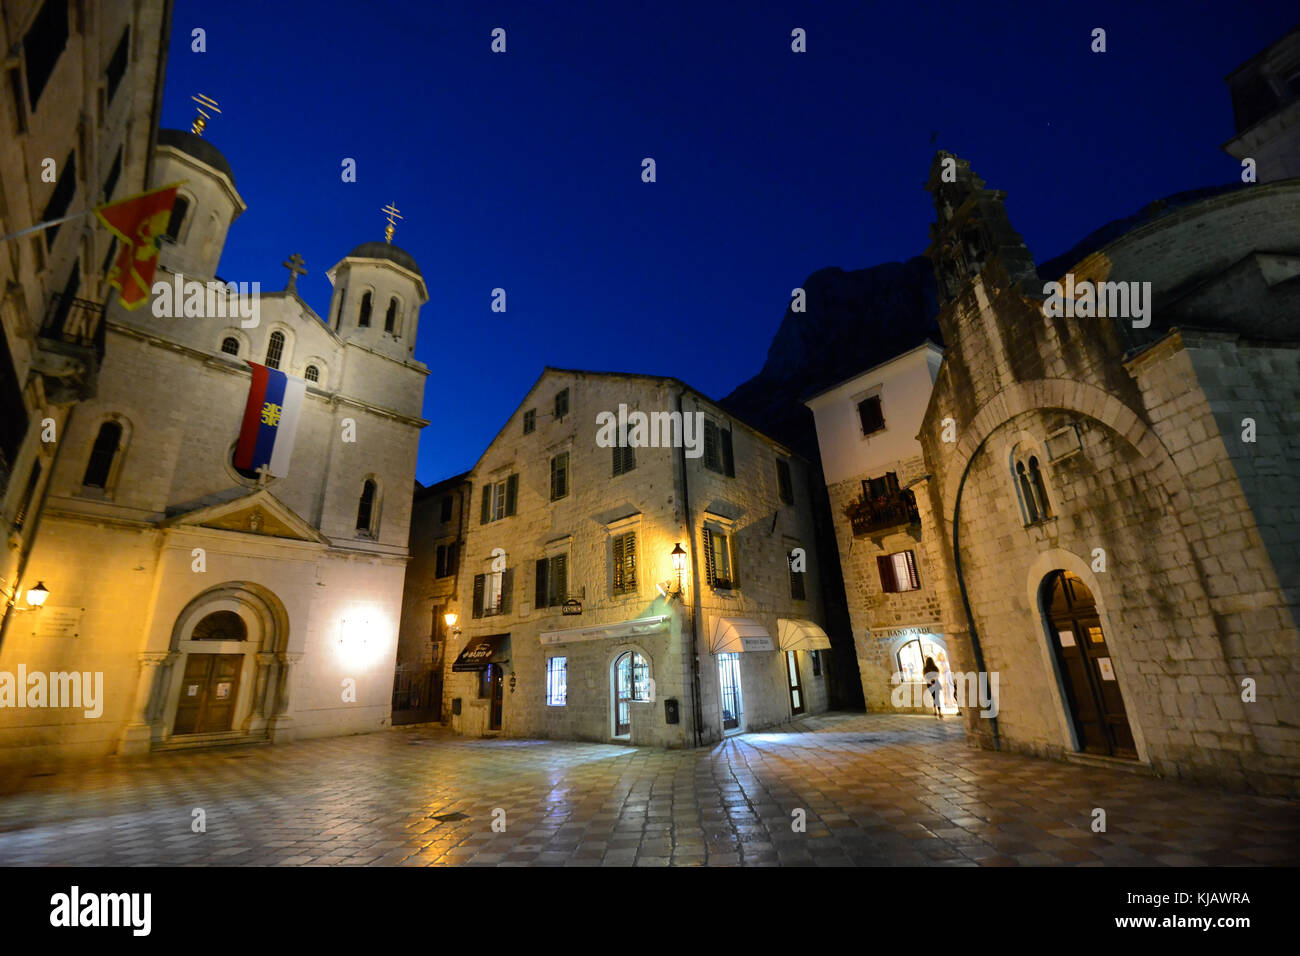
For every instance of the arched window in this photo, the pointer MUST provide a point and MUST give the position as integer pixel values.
(179, 210)
(1026, 492)
(312, 374)
(102, 454)
(366, 507)
(390, 320)
(220, 626)
(631, 682)
(364, 319)
(230, 345)
(274, 350)
(1040, 490)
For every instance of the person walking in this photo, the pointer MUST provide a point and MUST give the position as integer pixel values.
(932, 685)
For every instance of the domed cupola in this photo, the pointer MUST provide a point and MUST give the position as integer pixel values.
(378, 291)
(207, 202)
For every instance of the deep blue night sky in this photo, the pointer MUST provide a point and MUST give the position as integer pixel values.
(523, 170)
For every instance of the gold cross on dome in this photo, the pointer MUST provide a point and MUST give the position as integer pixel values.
(391, 212)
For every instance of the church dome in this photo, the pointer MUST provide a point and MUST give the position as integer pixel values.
(386, 250)
(198, 147)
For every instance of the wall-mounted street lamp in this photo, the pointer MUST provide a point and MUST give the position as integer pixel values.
(450, 619)
(36, 597)
(679, 567)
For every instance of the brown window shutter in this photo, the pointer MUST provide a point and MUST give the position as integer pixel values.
(555, 469)
(540, 592)
(512, 494)
(886, 568)
(560, 573)
(911, 569)
(479, 581)
(629, 559)
(618, 563)
(734, 554)
(710, 571)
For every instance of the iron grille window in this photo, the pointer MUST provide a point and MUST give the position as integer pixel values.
(784, 486)
(274, 350)
(117, 66)
(559, 476)
(898, 572)
(624, 459)
(871, 415)
(557, 681)
(312, 374)
(366, 506)
(102, 454)
(230, 345)
(500, 499)
(552, 585)
(61, 197)
(561, 403)
(625, 563)
(530, 421)
(43, 45)
(717, 449)
(719, 570)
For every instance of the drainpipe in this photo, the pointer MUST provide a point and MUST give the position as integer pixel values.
(965, 599)
(697, 712)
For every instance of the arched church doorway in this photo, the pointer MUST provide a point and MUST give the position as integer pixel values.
(1086, 668)
(210, 685)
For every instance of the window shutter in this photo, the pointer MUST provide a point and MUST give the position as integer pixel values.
(507, 588)
(710, 571)
(712, 458)
(734, 556)
(479, 581)
(487, 503)
(618, 563)
(512, 493)
(728, 462)
(560, 574)
(911, 569)
(440, 570)
(540, 594)
(886, 568)
(555, 469)
(453, 558)
(629, 558)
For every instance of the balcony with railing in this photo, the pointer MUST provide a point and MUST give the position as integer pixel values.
(71, 343)
(882, 506)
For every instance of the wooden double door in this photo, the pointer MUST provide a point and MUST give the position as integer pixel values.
(208, 693)
(1087, 668)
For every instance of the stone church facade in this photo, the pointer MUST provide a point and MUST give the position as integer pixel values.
(1116, 503)
(222, 606)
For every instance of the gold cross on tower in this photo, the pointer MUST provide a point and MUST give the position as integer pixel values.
(295, 266)
(391, 211)
(201, 121)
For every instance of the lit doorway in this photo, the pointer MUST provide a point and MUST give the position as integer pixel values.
(792, 676)
(631, 682)
(733, 715)
(912, 667)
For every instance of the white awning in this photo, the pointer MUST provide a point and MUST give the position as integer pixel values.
(796, 634)
(730, 635)
(640, 625)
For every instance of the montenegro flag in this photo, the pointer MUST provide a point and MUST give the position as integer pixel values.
(140, 222)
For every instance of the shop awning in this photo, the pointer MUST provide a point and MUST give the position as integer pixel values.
(796, 634)
(731, 635)
(618, 629)
(482, 651)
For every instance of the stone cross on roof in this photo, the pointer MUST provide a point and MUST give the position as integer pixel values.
(295, 266)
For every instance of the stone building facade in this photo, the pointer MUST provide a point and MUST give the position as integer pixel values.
(221, 606)
(871, 458)
(574, 620)
(1116, 502)
(1266, 110)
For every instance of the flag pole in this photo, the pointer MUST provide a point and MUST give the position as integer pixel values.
(42, 226)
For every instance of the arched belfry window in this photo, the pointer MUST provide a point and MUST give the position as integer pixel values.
(274, 350)
(180, 208)
(1031, 487)
(366, 507)
(102, 454)
(364, 319)
(390, 320)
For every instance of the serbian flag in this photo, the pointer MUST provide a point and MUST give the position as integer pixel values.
(139, 222)
(270, 421)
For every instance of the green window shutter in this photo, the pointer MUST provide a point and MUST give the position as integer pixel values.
(512, 494)
(555, 468)
(540, 593)
(487, 503)
(710, 572)
(712, 455)
(728, 462)
(479, 581)
(507, 589)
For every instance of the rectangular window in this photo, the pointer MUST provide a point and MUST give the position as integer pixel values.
(817, 663)
(552, 584)
(717, 449)
(117, 66)
(625, 563)
(718, 565)
(784, 486)
(500, 499)
(61, 198)
(492, 592)
(898, 572)
(530, 421)
(871, 415)
(561, 403)
(445, 509)
(43, 45)
(557, 681)
(624, 459)
(446, 560)
(560, 476)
